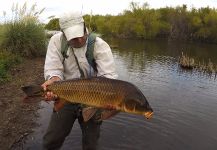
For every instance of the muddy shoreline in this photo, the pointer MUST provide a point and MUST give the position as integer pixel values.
(18, 117)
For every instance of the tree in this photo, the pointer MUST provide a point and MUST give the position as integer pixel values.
(53, 24)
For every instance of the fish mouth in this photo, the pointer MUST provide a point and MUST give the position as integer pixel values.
(148, 114)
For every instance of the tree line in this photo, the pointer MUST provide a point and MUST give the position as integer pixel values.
(142, 22)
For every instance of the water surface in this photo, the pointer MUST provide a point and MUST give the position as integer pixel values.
(184, 102)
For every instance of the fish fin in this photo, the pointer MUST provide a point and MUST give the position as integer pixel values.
(58, 104)
(88, 113)
(106, 114)
(32, 90)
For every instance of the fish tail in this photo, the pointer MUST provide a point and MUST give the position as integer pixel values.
(33, 90)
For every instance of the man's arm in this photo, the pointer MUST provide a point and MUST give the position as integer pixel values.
(104, 59)
(53, 62)
(53, 68)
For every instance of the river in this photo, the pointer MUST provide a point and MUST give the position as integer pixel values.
(184, 102)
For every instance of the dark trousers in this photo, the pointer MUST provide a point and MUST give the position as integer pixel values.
(61, 124)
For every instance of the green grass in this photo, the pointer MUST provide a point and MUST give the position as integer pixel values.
(7, 60)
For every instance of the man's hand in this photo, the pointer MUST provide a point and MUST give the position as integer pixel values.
(50, 95)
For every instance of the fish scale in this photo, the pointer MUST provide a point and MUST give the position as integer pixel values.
(87, 91)
(102, 93)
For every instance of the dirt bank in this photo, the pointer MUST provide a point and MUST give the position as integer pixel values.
(17, 119)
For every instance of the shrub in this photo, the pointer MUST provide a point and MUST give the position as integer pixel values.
(23, 34)
(7, 59)
(53, 24)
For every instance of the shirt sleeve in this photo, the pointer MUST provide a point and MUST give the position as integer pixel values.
(104, 59)
(53, 62)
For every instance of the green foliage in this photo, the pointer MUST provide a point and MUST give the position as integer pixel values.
(53, 24)
(2, 28)
(140, 21)
(23, 34)
(26, 39)
(7, 60)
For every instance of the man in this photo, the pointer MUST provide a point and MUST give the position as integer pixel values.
(59, 68)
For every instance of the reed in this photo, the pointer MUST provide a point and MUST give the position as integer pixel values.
(23, 33)
(187, 62)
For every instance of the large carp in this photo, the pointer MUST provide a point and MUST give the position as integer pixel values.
(98, 92)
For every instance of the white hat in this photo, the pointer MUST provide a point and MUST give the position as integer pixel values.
(72, 24)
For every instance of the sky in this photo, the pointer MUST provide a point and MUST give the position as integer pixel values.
(103, 7)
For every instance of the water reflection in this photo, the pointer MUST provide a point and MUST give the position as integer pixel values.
(163, 48)
(184, 102)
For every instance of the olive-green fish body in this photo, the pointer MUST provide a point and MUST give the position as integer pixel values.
(101, 92)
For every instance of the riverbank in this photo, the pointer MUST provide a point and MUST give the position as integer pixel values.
(18, 118)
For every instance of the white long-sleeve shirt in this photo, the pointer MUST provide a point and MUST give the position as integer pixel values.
(54, 65)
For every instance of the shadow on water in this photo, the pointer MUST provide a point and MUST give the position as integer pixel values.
(184, 103)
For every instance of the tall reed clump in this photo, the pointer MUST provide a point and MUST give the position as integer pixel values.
(187, 62)
(23, 33)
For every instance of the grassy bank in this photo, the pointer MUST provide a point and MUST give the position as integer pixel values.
(20, 37)
(7, 59)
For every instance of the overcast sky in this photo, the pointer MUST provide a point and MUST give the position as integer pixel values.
(56, 7)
